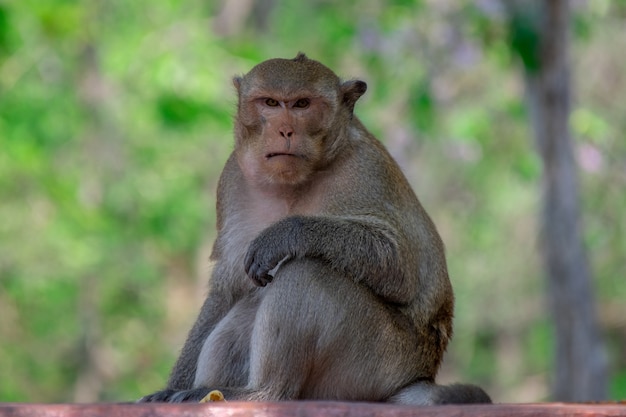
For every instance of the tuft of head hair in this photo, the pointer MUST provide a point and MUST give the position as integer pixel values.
(300, 57)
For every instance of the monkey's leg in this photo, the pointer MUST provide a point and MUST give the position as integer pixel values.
(319, 335)
(316, 335)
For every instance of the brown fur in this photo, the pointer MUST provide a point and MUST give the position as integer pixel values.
(330, 279)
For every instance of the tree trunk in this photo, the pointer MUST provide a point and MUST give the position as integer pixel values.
(580, 362)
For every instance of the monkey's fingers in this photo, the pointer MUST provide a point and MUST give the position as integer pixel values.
(256, 269)
(213, 396)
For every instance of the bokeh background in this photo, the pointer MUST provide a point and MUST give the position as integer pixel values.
(115, 121)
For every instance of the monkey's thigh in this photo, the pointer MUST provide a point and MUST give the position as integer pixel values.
(319, 335)
(224, 360)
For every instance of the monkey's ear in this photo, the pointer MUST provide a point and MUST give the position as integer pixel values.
(237, 82)
(351, 91)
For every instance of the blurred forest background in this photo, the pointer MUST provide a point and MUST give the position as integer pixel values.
(115, 121)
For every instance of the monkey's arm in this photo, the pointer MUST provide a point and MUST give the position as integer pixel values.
(184, 371)
(180, 382)
(214, 308)
(363, 248)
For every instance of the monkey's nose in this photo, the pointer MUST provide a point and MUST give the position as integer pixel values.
(286, 131)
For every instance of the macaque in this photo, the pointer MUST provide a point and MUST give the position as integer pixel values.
(329, 279)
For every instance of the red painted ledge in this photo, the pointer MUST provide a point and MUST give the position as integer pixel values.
(306, 409)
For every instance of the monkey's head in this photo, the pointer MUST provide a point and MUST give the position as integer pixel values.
(291, 120)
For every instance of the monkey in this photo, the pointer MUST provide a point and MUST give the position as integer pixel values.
(329, 279)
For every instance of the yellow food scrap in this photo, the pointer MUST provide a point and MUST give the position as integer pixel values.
(212, 396)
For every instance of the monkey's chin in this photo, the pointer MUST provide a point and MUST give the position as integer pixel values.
(287, 170)
(287, 179)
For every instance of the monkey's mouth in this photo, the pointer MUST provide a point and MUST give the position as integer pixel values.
(274, 154)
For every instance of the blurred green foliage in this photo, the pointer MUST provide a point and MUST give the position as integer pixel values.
(115, 121)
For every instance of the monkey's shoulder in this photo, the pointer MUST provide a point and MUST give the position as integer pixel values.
(370, 165)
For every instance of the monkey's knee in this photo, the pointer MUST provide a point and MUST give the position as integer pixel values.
(298, 280)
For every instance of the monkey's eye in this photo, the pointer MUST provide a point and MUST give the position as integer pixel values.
(303, 103)
(271, 102)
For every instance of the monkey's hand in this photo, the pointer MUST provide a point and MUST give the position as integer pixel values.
(268, 250)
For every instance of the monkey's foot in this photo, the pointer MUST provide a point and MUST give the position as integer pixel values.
(174, 396)
(215, 395)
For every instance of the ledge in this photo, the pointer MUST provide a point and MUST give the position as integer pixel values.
(306, 409)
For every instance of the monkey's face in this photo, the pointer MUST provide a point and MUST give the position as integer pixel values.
(290, 117)
(287, 141)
